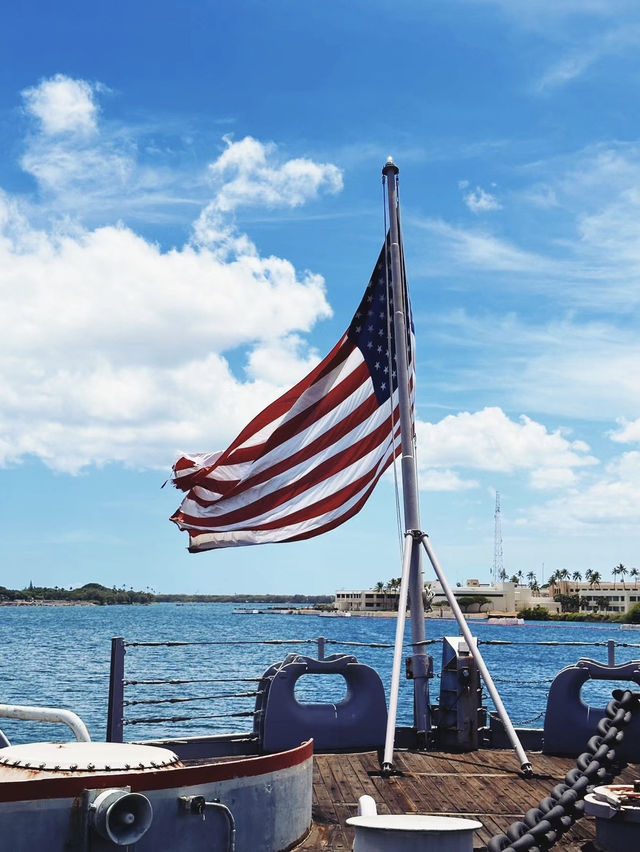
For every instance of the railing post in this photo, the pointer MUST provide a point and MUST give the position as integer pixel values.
(611, 652)
(115, 718)
(321, 645)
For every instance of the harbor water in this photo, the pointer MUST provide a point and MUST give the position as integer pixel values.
(59, 657)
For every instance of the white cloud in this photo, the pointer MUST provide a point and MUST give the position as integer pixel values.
(246, 175)
(63, 105)
(611, 499)
(111, 345)
(480, 201)
(480, 249)
(488, 440)
(564, 367)
(540, 12)
(444, 480)
(628, 432)
(588, 53)
(116, 350)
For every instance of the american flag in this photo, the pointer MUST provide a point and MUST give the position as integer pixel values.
(310, 460)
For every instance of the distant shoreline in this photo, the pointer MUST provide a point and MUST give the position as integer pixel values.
(95, 594)
(48, 603)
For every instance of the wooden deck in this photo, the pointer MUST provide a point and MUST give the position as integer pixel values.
(484, 785)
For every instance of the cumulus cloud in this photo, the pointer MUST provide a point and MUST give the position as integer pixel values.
(488, 440)
(63, 105)
(115, 349)
(627, 432)
(612, 499)
(248, 174)
(245, 175)
(480, 201)
(112, 344)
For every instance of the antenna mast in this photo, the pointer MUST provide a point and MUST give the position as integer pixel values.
(498, 567)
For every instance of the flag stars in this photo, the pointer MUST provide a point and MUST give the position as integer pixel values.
(377, 365)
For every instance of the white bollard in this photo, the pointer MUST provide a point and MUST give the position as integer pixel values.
(412, 833)
(367, 806)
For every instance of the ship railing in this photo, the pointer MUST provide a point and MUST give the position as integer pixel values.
(132, 695)
(219, 702)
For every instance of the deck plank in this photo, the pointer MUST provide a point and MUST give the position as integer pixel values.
(484, 785)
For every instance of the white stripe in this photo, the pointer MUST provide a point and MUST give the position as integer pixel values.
(310, 396)
(239, 538)
(314, 494)
(292, 474)
(301, 439)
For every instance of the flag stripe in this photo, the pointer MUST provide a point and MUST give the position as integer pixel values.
(355, 410)
(299, 531)
(268, 503)
(310, 459)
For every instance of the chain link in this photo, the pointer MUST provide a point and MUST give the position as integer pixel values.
(555, 815)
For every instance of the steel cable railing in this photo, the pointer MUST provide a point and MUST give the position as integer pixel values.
(233, 699)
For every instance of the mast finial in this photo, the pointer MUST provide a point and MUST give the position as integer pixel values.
(390, 167)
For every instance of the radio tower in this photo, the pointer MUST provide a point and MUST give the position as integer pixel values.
(497, 543)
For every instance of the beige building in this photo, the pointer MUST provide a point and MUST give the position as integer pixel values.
(502, 598)
(615, 598)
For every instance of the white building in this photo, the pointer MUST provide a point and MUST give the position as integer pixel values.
(615, 598)
(502, 598)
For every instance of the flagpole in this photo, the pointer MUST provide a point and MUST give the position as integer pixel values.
(392, 715)
(413, 531)
(419, 659)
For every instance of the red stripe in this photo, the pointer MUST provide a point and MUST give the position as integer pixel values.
(299, 422)
(328, 504)
(277, 409)
(332, 436)
(337, 356)
(351, 512)
(164, 779)
(288, 493)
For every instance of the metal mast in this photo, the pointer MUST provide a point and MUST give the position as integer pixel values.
(498, 566)
(414, 582)
(411, 585)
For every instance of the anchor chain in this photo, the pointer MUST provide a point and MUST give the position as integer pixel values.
(555, 815)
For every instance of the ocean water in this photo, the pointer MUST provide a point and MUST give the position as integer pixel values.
(59, 657)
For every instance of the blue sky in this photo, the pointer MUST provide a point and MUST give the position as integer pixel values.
(190, 208)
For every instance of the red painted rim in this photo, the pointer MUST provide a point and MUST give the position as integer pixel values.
(162, 779)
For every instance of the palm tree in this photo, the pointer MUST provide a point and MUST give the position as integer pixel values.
(576, 576)
(588, 574)
(594, 579)
(623, 571)
(379, 586)
(563, 574)
(633, 572)
(531, 577)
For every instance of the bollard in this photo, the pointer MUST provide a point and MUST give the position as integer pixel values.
(409, 832)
